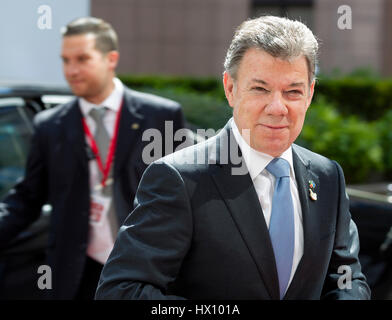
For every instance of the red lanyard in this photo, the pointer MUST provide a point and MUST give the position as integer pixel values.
(112, 146)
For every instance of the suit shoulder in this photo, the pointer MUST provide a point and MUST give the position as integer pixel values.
(152, 100)
(49, 116)
(196, 157)
(317, 160)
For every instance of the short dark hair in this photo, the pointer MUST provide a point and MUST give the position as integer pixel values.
(105, 37)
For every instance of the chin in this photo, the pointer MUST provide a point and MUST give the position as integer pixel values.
(274, 149)
(77, 91)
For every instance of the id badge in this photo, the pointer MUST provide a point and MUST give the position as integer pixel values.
(99, 208)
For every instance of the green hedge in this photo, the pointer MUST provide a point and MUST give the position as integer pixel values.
(202, 110)
(349, 124)
(385, 133)
(352, 142)
(368, 98)
(205, 85)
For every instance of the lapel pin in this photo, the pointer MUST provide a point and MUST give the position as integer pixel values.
(312, 194)
(135, 126)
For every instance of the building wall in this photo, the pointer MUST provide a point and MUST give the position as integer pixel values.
(347, 50)
(181, 37)
(386, 38)
(190, 37)
(30, 53)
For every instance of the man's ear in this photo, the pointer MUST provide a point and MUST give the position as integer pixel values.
(311, 92)
(228, 84)
(113, 58)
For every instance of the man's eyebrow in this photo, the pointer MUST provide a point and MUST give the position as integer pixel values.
(297, 84)
(293, 84)
(259, 81)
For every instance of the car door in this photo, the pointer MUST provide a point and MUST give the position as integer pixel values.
(19, 262)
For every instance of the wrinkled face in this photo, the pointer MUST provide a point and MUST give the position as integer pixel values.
(88, 71)
(269, 97)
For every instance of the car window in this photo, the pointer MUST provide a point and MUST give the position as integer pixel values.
(15, 134)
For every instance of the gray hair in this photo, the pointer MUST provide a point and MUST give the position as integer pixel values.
(105, 37)
(280, 37)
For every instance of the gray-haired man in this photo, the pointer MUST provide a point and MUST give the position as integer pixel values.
(279, 230)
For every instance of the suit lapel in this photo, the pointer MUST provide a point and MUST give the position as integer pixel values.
(310, 218)
(241, 198)
(72, 129)
(131, 125)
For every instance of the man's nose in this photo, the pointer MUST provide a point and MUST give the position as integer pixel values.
(71, 69)
(276, 105)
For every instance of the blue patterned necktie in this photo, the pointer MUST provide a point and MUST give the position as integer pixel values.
(281, 227)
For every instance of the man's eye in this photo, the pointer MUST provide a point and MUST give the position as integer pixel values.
(260, 89)
(294, 92)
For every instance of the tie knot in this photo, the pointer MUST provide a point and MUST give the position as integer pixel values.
(279, 167)
(97, 113)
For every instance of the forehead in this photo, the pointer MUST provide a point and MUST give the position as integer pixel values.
(258, 64)
(78, 44)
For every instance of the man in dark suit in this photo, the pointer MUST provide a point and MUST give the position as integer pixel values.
(86, 166)
(246, 214)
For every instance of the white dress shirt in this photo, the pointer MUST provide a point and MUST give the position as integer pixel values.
(112, 103)
(264, 183)
(101, 239)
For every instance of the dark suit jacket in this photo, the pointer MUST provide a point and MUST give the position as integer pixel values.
(198, 232)
(57, 173)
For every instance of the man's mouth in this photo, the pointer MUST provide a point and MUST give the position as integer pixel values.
(274, 127)
(75, 82)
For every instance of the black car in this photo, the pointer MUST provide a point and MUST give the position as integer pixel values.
(371, 210)
(19, 262)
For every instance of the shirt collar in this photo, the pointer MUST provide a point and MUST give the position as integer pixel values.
(112, 102)
(256, 161)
